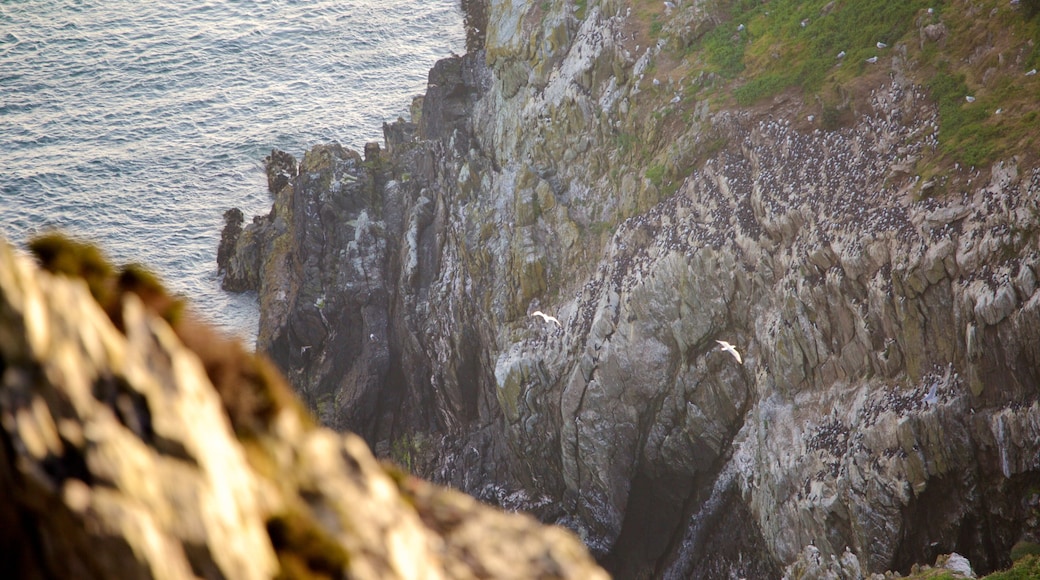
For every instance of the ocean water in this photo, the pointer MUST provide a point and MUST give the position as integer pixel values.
(136, 124)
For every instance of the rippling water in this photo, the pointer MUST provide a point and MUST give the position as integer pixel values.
(136, 124)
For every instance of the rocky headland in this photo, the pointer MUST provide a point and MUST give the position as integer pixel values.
(875, 267)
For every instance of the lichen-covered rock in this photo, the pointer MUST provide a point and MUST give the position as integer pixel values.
(125, 453)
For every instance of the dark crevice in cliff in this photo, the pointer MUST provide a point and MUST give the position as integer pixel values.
(469, 377)
(653, 515)
(665, 505)
(735, 548)
(935, 522)
(717, 537)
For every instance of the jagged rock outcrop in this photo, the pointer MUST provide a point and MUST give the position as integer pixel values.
(120, 458)
(887, 408)
(345, 305)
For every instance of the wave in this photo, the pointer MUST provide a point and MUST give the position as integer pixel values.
(137, 124)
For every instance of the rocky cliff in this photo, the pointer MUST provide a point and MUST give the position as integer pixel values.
(596, 162)
(137, 444)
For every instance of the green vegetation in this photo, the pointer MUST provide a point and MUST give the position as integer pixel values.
(626, 142)
(655, 28)
(582, 8)
(789, 43)
(1030, 8)
(1023, 549)
(1027, 568)
(819, 49)
(655, 174)
(962, 122)
(406, 451)
(725, 51)
(761, 87)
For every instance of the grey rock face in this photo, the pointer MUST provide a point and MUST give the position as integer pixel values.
(349, 257)
(886, 410)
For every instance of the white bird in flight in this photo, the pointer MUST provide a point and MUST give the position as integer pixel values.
(546, 317)
(730, 349)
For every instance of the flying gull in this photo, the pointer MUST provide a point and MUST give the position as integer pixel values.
(729, 348)
(546, 317)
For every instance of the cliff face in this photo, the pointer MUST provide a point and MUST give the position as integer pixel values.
(886, 408)
(130, 448)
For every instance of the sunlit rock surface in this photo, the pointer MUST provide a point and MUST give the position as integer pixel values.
(120, 459)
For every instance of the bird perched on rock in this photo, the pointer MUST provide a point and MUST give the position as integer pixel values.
(546, 317)
(730, 349)
(932, 395)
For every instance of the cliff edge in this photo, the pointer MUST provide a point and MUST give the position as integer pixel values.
(136, 443)
(846, 192)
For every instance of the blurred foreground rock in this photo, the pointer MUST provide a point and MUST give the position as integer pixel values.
(119, 459)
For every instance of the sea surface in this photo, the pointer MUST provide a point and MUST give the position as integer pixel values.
(137, 124)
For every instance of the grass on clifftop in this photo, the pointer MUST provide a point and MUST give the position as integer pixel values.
(972, 56)
(1025, 568)
(790, 43)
